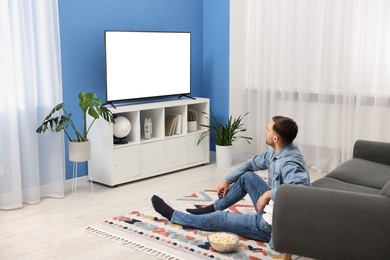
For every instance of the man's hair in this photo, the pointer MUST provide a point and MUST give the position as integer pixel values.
(286, 128)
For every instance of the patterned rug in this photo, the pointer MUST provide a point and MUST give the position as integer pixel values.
(149, 232)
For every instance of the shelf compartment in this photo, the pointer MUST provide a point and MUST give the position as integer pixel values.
(178, 112)
(133, 117)
(157, 116)
(201, 109)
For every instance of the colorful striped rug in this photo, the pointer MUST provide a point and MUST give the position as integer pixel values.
(149, 232)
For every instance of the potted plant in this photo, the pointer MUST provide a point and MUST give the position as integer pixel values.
(56, 121)
(225, 135)
(192, 118)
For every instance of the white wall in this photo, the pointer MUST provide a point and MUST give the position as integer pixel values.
(237, 93)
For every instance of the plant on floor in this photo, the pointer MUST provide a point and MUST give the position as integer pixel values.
(225, 134)
(89, 103)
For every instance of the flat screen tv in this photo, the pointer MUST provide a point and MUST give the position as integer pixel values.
(142, 64)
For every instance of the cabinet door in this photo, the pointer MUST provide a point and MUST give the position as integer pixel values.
(197, 153)
(152, 158)
(176, 152)
(126, 164)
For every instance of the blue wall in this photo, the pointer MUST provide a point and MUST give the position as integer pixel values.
(216, 57)
(82, 25)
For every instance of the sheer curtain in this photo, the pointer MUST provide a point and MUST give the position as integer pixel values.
(325, 63)
(31, 166)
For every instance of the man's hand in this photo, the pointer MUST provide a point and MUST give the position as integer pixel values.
(222, 188)
(263, 201)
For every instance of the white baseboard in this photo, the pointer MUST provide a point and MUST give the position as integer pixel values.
(80, 181)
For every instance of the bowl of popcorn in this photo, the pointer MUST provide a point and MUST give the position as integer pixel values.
(223, 242)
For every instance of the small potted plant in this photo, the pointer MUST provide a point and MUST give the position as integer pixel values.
(192, 118)
(225, 135)
(56, 121)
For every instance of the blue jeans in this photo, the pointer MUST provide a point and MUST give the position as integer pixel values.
(251, 226)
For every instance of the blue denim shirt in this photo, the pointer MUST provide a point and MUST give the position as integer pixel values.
(285, 167)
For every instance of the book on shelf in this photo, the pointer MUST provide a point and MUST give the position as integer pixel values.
(169, 123)
(173, 124)
(179, 124)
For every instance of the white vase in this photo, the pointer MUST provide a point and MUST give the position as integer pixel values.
(79, 151)
(224, 156)
(192, 126)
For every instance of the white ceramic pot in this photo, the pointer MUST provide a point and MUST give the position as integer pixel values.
(79, 151)
(224, 156)
(192, 126)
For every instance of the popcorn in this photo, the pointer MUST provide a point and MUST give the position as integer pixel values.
(223, 242)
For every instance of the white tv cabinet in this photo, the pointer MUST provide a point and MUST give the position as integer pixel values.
(112, 164)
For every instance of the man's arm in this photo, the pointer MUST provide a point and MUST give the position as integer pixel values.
(263, 201)
(292, 173)
(254, 164)
(259, 162)
(222, 188)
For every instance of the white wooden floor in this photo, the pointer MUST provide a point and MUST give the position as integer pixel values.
(53, 229)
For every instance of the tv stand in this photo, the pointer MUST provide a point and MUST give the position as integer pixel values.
(138, 157)
(109, 103)
(187, 96)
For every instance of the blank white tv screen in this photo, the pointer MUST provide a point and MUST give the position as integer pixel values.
(147, 64)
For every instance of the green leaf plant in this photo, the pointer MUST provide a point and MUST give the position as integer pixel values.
(192, 115)
(89, 103)
(225, 134)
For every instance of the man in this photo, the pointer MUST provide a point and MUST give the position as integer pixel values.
(285, 165)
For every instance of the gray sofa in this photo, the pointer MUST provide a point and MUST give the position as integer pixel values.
(345, 215)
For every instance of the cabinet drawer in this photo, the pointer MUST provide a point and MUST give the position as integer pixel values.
(175, 152)
(126, 164)
(197, 153)
(152, 158)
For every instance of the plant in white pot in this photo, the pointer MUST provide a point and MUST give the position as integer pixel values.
(192, 118)
(60, 120)
(225, 135)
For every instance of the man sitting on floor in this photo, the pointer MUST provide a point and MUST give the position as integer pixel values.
(285, 165)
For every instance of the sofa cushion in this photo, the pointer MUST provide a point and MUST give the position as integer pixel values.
(362, 172)
(386, 190)
(335, 184)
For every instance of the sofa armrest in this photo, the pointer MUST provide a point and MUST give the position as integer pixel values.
(386, 190)
(372, 151)
(331, 224)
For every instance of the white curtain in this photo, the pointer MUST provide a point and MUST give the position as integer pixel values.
(326, 64)
(31, 166)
